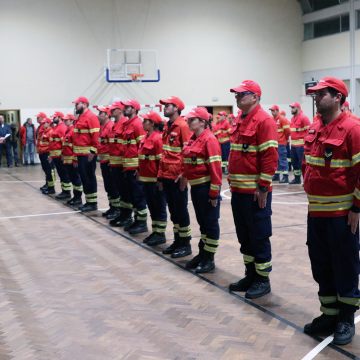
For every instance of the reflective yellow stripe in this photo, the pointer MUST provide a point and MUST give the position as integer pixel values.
(280, 130)
(147, 179)
(286, 126)
(214, 187)
(334, 163)
(55, 152)
(338, 206)
(44, 143)
(82, 131)
(171, 148)
(241, 177)
(328, 199)
(149, 157)
(130, 162)
(127, 142)
(198, 161)
(349, 300)
(248, 259)
(104, 157)
(67, 144)
(103, 141)
(239, 147)
(56, 139)
(262, 266)
(299, 129)
(357, 194)
(213, 159)
(328, 299)
(94, 130)
(297, 142)
(328, 311)
(244, 185)
(81, 148)
(200, 180)
(355, 159)
(268, 144)
(265, 177)
(224, 139)
(139, 138)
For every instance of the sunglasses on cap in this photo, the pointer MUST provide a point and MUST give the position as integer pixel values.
(242, 94)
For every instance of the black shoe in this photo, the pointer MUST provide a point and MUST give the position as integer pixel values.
(74, 201)
(345, 328)
(259, 288)
(104, 214)
(63, 195)
(194, 262)
(157, 239)
(50, 190)
(26, 163)
(44, 187)
(323, 324)
(88, 207)
(129, 226)
(183, 250)
(10, 166)
(207, 263)
(295, 181)
(138, 228)
(32, 163)
(170, 249)
(146, 240)
(245, 283)
(284, 180)
(124, 221)
(112, 213)
(113, 222)
(276, 177)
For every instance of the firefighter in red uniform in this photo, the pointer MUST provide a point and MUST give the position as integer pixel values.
(70, 162)
(231, 119)
(43, 148)
(331, 171)
(252, 164)
(106, 126)
(202, 168)
(55, 149)
(298, 126)
(170, 178)
(283, 128)
(150, 151)
(346, 108)
(133, 132)
(222, 134)
(288, 151)
(40, 117)
(85, 142)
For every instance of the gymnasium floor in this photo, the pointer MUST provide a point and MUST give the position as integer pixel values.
(73, 288)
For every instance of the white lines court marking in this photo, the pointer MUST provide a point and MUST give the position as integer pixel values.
(21, 181)
(289, 193)
(25, 216)
(290, 203)
(323, 345)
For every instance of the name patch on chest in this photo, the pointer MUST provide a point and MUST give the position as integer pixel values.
(312, 131)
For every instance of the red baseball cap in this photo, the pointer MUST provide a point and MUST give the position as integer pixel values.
(346, 103)
(69, 117)
(295, 104)
(105, 109)
(328, 81)
(222, 113)
(173, 100)
(199, 112)
(282, 112)
(231, 116)
(58, 114)
(248, 85)
(153, 116)
(41, 114)
(46, 120)
(132, 102)
(217, 116)
(81, 99)
(274, 107)
(116, 105)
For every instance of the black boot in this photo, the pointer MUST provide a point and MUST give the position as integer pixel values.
(148, 238)
(88, 207)
(322, 325)
(130, 225)
(113, 213)
(260, 287)
(183, 250)
(284, 180)
(124, 220)
(63, 195)
(276, 177)
(139, 227)
(104, 214)
(44, 187)
(176, 243)
(74, 201)
(345, 328)
(50, 190)
(297, 180)
(195, 261)
(245, 283)
(117, 219)
(157, 239)
(207, 263)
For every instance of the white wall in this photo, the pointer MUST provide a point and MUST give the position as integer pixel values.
(55, 50)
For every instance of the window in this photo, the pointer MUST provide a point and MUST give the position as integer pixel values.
(309, 6)
(358, 19)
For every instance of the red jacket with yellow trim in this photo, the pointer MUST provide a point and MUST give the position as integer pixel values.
(150, 151)
(175, 136)
(103, 146)
(283, 128)
(132, 134)
(202, 161)
(86, 133)
(45, 140)
(67, 146)
(39, 130)
(298, 127)
(223, 131)
(253, 157)
(214, 129)
(57, 135)
(115, 143)
(331, 167)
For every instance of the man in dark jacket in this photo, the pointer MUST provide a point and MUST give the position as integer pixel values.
(5, 132)
(13, 143)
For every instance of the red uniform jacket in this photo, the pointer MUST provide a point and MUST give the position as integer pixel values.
(175, 137)
(150, 151)
(45, 140)
(202, 161)
(350, 114)
(39, 131)
(57, 136)
(253, 155)
(331, 167)
(283, 128)
(115, 143)
(86, 133)
(67, 146)
(298, 127)
(132, 134)
(103, 146)
(23, 134)
(223, 131)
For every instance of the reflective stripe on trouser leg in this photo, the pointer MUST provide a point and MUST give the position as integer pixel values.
(329, 305)
(248, 259)
(136, 194)
(115, 202)
(75, 179)
(66, 186)
(91, 198)
(63, 174)
(225, 151)
(297, 154)
(87, 171)
(263, 269)
(211, 245)
(110, 185)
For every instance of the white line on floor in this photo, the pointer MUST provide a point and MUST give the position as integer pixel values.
(289, 193)
(25, 216)
(21, 181)
(323, 345)
(290, 203)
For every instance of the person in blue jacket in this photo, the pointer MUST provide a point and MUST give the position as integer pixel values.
(4, 143)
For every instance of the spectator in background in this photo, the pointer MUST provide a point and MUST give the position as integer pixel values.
(28, 139)
(13, 143)
(4, 143)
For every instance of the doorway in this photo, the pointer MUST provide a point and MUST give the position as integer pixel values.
(214, 110)
(12, 117)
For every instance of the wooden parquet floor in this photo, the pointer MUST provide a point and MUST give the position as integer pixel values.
(73, 288)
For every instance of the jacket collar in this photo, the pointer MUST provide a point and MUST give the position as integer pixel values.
(250, 115)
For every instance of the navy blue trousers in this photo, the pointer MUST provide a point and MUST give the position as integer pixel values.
(178, 207)
(297, 154)
(49, 169)
(253, 229)
(283, 165)
(207, 216)
(288, 154)
(121, 186)
(88, 178)
(156, 203)
(7, 149)
(334, 257)
(136, 195)
(225, 151)
(63, 175)
(110, 184)
(75, 179)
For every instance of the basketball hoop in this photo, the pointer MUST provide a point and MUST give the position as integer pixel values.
(134, 77)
